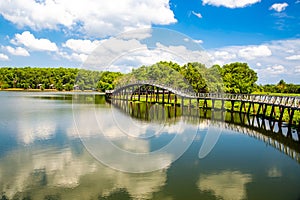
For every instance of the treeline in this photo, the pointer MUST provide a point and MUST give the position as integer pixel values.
(56, 78)
(231, 78)
(280, 87)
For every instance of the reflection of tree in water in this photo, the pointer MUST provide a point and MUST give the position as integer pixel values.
(119, 194)
(284, 139)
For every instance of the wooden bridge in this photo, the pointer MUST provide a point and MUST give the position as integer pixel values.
(154, 92)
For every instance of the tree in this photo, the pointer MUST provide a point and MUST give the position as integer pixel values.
(238, 78)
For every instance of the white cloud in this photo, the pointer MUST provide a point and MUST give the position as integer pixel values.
(18, 51)
(28, 40)
(3, 57)
(225, 55)
(271, 56)
(230, 3)
(279, 7)
(258, 64)
(78, 57)
(198, 41)
(98, 18)
(197, 14)
(252, 52)
(81, 46)
(293, 57)
(275, 69)
(222, 188)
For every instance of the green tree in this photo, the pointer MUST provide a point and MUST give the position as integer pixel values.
(238, 78)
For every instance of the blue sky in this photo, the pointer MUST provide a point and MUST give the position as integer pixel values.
(51, 33)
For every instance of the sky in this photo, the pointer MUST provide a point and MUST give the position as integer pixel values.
(130, 33)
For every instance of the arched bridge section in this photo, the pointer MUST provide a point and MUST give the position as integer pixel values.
(266, 106)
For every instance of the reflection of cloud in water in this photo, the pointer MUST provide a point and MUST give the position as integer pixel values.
(130, 151)
(59, 171)
(229, 185)
(29, 131)
(274, 172)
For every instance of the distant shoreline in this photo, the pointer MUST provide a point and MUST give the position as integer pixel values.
(45, 90)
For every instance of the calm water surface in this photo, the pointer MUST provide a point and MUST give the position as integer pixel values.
(50, 148)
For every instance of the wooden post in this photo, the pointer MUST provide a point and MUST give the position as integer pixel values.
(205, 104)
(212, 104)
(232, 105)
(242, 103)
(281, 115)
(291, 114)
(146, 95)
(259, 107)
(222, 106)
(249, 108)
(272, 111)
(163, 96)
(157, 94)
(139, 95)
(265, 110)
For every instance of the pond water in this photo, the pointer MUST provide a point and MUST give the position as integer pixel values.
(78, 146)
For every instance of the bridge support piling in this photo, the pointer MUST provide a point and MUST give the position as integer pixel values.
(157, 94)
(265, 110)
(291, 115)
(272, 111)
(232, 105)
(222, 106)
(147, 95)
(205, 104)
(139, 93)
(163, 96)
(249, 109)
(281, 115)
(213, 104)
(259, 107)
(241, 107)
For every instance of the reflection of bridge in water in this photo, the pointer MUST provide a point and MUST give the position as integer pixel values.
(281, 137)
(151, 91)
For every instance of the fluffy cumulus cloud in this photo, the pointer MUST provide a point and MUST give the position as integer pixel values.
(252, 52)
(29, 41)
(18, 51)
(98, 18)
(270, 60)
(3, 57)
(81, 46)
(293, 57)
(279, 7)
(276, 69)
(230, 3)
